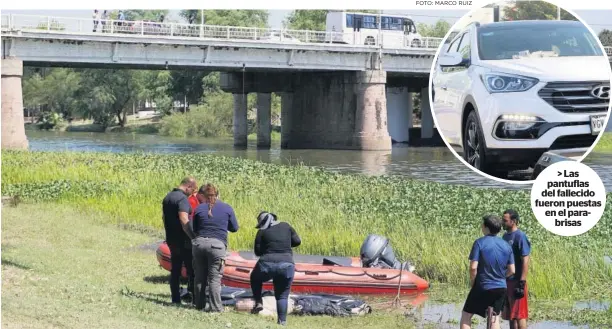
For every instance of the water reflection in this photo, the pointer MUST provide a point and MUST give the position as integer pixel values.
(447, 316)
(434, 164)
(592, 305)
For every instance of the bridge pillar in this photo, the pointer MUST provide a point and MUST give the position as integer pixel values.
(338, 110)
(286, 105)
(399, 113)
(264, 127)
(13, 126)
(371, 132)
(240, 120)
(427, 122)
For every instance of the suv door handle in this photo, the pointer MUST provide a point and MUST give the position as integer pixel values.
(444, 88)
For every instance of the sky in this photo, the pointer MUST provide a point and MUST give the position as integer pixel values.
(597, 19)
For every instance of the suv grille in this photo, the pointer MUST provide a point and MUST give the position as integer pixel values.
(573, 141)
(575, 97)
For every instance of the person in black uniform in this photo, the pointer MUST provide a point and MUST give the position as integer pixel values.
(176, 209)
(273, 244)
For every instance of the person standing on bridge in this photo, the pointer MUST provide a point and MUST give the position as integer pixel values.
(96, 19)
(176, 210)
(104, 19)
(516, 310)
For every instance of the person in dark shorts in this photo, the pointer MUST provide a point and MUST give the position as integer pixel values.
(211, 222)
(273, 244)
(491, 262)
(176, 210)
(516, 309)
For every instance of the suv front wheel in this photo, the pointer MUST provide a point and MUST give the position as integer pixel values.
(473, 143)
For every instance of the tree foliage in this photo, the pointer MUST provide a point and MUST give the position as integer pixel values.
(437, 30)
(137, 15)
(606, 37)
(534, 10)
(306, 20)
(58, 90)
(241, 17)
(108, 93)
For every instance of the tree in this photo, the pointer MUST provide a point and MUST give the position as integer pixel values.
(155, 86)
(137, 15)
(107, 94)
(534, 10)
(437, 30)
(241, 17)
(188, 84)
(56, 91)
(606, 37)
(313, 20)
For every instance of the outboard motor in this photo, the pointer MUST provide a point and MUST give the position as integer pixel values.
(376, 251)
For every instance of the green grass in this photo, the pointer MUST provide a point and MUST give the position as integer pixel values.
(605, 143)
(430, 224)
(62, 268)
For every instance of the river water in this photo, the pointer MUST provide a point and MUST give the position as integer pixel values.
(435, 164)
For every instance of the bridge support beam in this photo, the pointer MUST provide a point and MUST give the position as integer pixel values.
(427, 123)
(339, 110)
(264, 127)
(13, 129)
(371, 132)
(399, 113)
(240, 120)
(286, 106)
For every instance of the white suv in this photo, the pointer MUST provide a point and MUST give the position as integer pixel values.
(504, 93)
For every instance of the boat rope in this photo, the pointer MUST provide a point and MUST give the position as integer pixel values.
(397, 301)
(381, 277)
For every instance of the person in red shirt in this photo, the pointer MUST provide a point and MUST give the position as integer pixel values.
(194, 202)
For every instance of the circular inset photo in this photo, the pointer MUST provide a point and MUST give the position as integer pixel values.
(517, 86)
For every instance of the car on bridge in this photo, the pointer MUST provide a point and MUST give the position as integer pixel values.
(279, 37)
(507, 92)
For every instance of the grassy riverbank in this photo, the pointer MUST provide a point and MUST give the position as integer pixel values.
(62, 267)
(431, 224)
(605, 144)
(141, 126)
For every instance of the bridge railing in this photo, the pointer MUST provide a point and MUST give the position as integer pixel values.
(149, 28)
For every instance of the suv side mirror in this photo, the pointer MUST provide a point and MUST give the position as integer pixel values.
(451, 59)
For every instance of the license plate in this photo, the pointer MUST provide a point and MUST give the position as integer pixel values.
(597, 123)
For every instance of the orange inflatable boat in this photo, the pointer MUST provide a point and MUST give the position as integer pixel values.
(317, 274)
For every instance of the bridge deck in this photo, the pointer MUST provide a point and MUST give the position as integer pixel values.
(80, 26)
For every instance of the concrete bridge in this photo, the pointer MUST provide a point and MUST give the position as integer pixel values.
(345, 96)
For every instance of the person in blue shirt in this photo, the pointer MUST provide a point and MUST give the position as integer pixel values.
(211, 222)
(516, 309)
(491, 262)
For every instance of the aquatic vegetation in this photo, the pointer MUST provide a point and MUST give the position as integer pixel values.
(428, 223)
(605, 143)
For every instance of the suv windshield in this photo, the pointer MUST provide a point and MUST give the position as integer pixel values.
(515, 41)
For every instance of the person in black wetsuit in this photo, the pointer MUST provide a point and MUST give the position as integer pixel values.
(273, 244)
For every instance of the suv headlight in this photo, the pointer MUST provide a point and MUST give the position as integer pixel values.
(506, 83)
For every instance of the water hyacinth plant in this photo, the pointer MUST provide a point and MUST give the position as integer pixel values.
(430, 224)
